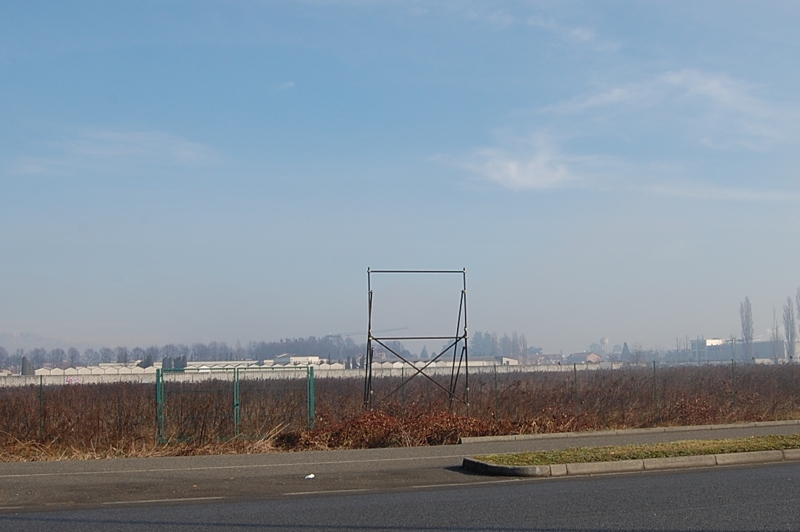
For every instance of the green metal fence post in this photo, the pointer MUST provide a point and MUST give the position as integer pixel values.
(311, 398)
(496, 413)
(403, 391)
(236, 403)
(41, 407)
(575, 376)
(160, 406)
(655, 391)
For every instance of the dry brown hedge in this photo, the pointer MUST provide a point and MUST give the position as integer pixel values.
(109, 420)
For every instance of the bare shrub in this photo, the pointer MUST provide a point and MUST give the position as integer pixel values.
(104, 420)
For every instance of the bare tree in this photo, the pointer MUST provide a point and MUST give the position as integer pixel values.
(138, 354)
(789, 328)
(106, 354)
(183, 350)
(797, 301)
(18, 354)
(239, 351)
(516, 348)
(746, 314)
(74, 357)
(56, 357)
(170, 351)
(38, 357)
(91, 356)
(777, 341)
(505, 345)
(153, 352)
(638, 351)
(122, 355)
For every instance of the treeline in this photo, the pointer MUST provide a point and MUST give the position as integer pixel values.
(490, 344)
(335, 348)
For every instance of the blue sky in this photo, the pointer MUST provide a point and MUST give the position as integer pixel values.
(227, 170)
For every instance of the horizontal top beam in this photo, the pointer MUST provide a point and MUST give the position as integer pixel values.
(464, 336)
(417, 271)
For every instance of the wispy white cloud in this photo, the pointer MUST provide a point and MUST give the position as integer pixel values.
(496, 17)
(500, 18)
(681, 84)
(120, 150)
(573, 34)
(504, 18)
(721, 111)
(539, 163)
(541, 169)
(546, 161)
(710, 110)
(145, 146)
(536, 162)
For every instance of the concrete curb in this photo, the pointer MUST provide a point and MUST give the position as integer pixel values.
(631, 466)
(622, 432)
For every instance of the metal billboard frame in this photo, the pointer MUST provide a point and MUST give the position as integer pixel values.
(460, 339)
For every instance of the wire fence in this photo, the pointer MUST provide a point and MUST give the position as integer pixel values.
(212, 407)
(250, 403)
(80, 416)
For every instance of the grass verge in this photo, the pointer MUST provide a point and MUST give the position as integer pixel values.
(639, 452)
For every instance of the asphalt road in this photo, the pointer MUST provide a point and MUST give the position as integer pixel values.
(720, 499)
(68, 485)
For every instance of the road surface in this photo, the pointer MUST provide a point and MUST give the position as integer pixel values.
(389, 489)
(752, 498)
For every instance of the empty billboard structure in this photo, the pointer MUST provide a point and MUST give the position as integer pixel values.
(458, 388)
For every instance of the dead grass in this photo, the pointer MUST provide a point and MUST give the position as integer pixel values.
(640, 452)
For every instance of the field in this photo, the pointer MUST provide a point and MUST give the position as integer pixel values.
(114, 420)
